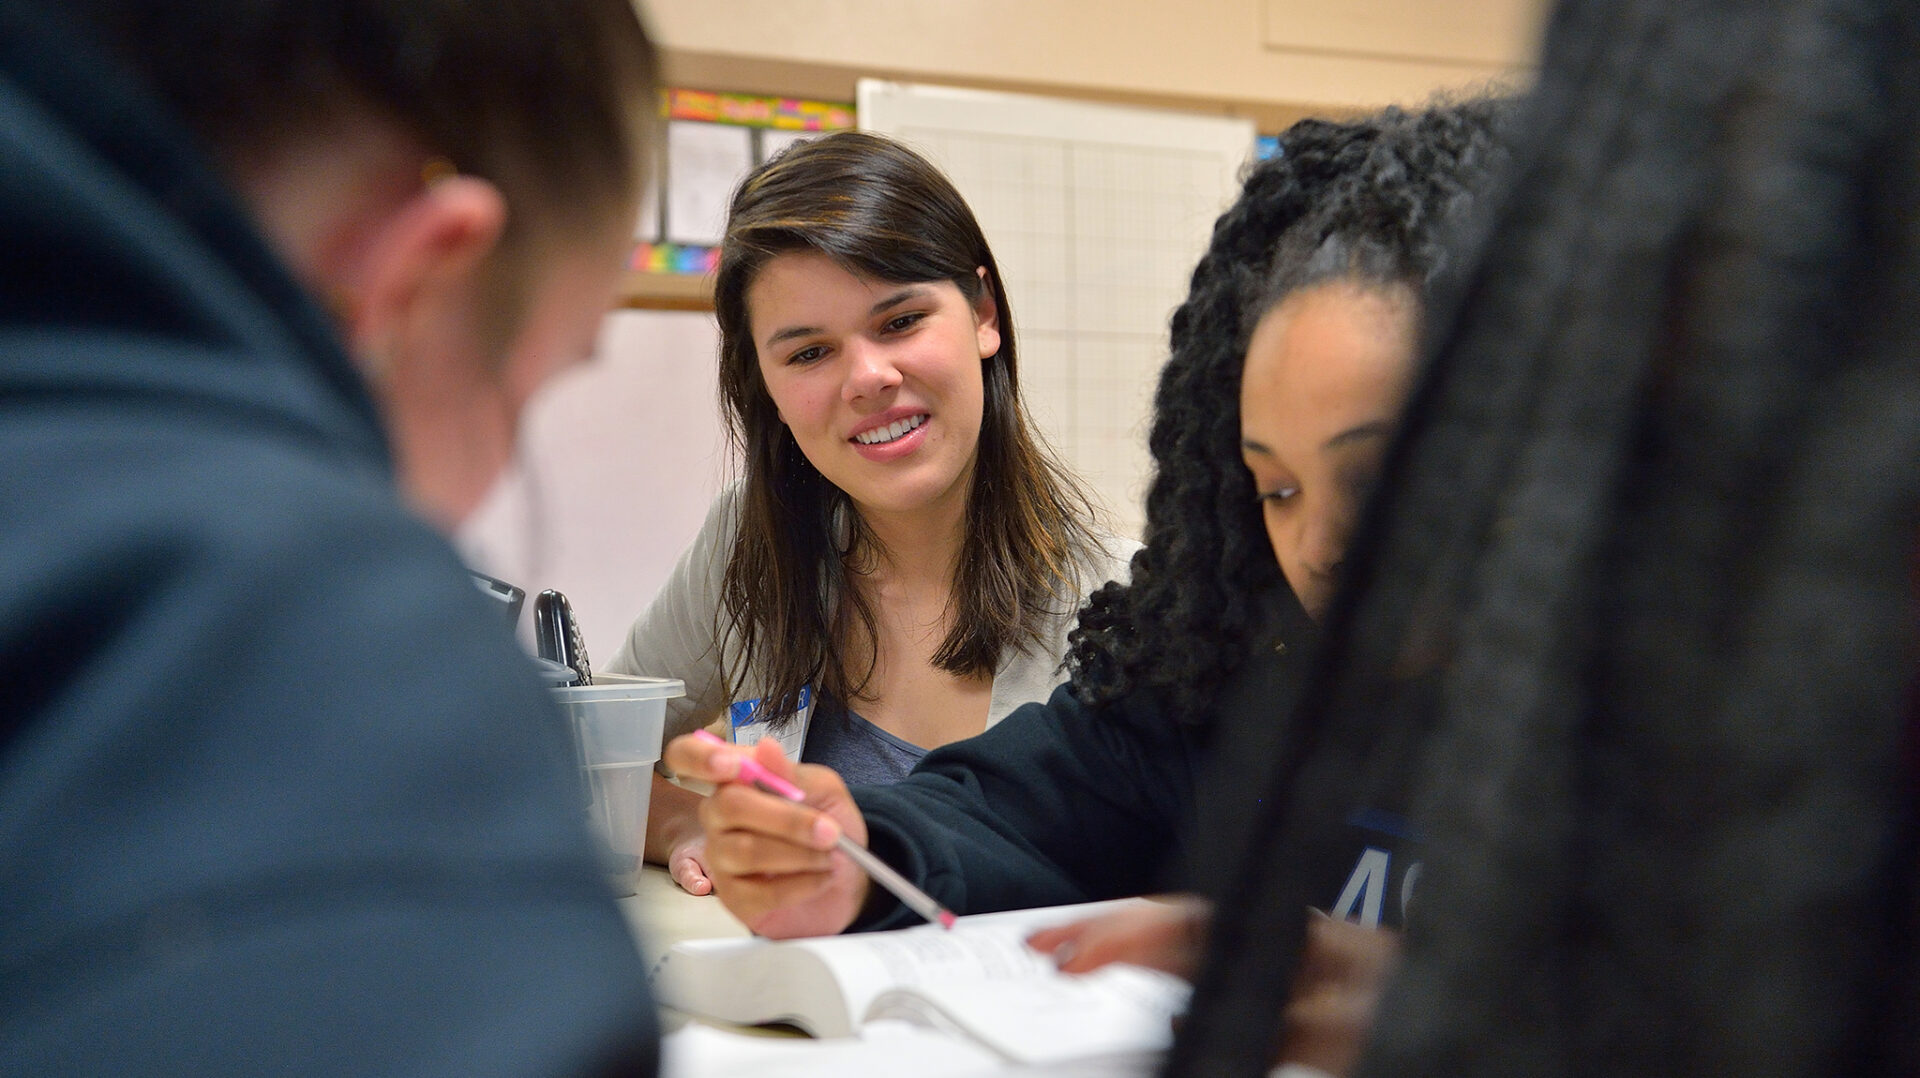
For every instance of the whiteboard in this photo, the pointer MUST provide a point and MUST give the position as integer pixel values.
(1096, 214)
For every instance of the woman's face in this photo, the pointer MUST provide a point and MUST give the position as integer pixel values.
(1327, 371)
(880, 382)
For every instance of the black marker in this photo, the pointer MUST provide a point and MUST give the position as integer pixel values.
(557, 635)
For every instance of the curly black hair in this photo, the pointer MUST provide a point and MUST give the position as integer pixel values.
(1366, 199)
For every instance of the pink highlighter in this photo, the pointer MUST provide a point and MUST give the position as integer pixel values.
(920, 902)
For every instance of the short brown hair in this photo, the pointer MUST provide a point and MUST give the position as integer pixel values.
(552, 101)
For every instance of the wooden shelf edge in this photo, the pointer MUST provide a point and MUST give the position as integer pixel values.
(642, 290)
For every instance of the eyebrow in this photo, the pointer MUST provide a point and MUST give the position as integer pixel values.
(894, 300)
(1379, 428)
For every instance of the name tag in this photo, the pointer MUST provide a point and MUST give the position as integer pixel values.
(749, 721)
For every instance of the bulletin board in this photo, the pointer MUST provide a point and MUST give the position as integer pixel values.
(712, 141)
(1096, 214)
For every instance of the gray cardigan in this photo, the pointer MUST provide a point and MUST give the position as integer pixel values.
(681, 635)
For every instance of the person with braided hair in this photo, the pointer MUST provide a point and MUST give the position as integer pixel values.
(1314, 284)
(1639, 592)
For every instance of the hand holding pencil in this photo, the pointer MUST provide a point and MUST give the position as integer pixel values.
(776, 863)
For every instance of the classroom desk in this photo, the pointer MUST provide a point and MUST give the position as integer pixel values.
(661, 914)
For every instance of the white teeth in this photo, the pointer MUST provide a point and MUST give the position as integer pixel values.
(888, 433)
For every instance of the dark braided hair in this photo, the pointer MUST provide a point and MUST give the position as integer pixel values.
(1364, 200)
(1634, 612)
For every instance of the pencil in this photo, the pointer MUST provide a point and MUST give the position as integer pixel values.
(879, 871)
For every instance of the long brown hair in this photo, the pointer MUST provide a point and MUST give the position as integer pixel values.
(882, 212)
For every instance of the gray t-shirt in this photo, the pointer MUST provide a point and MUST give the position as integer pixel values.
(862, 753)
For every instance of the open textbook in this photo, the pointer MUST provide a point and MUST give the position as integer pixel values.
(978, 983)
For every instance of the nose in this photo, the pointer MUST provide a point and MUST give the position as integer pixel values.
(870, 371)
(1323, 545)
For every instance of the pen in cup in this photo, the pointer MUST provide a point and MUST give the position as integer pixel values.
(556, 635)
(881, 873)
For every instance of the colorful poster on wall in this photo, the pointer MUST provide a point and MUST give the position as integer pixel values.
(712, 140)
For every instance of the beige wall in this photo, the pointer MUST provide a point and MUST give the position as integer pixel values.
(619, 459)
(1268, 59)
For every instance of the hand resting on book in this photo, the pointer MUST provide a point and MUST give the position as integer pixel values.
(1343, 969)
(1168, 934)
(772, 862)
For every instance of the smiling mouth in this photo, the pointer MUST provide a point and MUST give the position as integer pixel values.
(891, 432)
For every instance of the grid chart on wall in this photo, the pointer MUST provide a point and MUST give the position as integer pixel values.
(1096, 215)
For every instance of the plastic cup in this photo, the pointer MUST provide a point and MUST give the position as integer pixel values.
(617, 723)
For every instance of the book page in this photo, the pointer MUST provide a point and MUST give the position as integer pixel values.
(988, 948)
(883, 1050)
(824, 985)
(756, 981)
(1117, 1011)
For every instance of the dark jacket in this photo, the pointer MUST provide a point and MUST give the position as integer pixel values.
(278, 791)
(1061, 802)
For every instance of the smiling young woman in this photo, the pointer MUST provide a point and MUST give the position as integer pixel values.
(879, 384)
(900, 563)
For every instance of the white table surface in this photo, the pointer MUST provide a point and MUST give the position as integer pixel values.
(661, 914)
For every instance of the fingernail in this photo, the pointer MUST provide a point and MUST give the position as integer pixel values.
(825, 832)
(1064, 953)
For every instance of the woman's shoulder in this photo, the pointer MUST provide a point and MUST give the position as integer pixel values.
(718, 528)
(723, 513)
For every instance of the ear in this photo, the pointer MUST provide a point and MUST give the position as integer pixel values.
(422, 256)
(986, 316)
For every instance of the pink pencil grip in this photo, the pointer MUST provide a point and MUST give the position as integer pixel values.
(752, 773)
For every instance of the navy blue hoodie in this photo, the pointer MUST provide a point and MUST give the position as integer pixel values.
(278, 791)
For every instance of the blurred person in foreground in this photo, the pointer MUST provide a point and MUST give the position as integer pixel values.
(1639, 584)
(278, 791)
